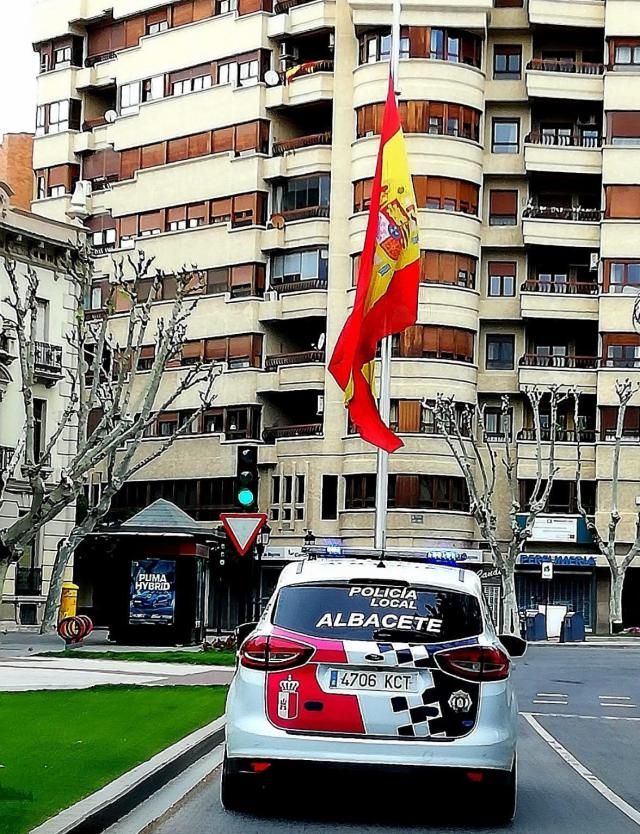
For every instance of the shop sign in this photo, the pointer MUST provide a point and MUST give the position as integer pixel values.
(558, 560)
(554, 529)
(282, 554)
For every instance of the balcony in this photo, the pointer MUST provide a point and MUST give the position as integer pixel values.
(270, 435)
(307, 83)
(561, 435)
(574, 226)
(548, 299)
(576, 152)
(536, 360)
(284, 5)
(28, 582)
(557, 78)
(48, 363)
(303, 285)
(280, 360)
(567, 13)
(299, 156)
(544, 370)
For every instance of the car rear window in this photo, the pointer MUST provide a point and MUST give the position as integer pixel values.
(357, 611)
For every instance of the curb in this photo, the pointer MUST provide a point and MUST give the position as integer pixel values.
(589, 644)
(103, 808)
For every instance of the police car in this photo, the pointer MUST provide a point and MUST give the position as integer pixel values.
(368, 663)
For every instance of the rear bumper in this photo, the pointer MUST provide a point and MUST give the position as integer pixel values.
(490, 746)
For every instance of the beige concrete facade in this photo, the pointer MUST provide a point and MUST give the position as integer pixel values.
(541, 307)
(35, 242)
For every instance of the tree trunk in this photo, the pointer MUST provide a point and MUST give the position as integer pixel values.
(50, 616)
(615, 600)
(4, 567)
(510, 615)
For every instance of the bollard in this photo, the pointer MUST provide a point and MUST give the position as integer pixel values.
(68, 601)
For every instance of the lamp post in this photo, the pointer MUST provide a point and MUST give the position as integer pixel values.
(262, 541)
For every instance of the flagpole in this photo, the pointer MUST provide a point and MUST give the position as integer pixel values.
(384, 402)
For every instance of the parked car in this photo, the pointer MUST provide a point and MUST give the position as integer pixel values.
(366, 663)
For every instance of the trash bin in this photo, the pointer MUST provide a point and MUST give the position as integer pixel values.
(535, 627)
(572, 630)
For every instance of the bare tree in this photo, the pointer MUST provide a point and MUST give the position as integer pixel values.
(607, 542)
(109, 408)
(477, 455)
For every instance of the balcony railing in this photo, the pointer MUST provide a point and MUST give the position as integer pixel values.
(561, 435)
(557, 139)
(6, 453)
(48, 360)
(284, 5)
(573, 213)
(28, 582)
(305, 213)
(564, 65)
(281, 360)
(281, 148)
(98, 59)
(270, 435)
(89, 124)
(619, 362)
(300, 285)
(534, 360)
(306, 68)
(560, 288)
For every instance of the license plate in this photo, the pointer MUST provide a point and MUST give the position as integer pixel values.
(373, 681)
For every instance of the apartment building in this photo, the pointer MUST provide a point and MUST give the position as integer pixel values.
(16, 167)
(40, 244)
(241, 137)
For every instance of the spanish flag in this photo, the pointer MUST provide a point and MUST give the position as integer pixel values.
(386, 299)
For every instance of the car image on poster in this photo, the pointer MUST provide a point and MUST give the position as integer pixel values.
(152, 597)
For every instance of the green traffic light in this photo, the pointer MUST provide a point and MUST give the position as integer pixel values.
(245, 497)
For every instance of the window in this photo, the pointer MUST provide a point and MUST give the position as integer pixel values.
(505, 136)
(500, 350)
(62, 57)
(58, 116)
(305, 192)
(189, 85)
(502, 278)
(507, 62)
(39, 428)
(44, 62)
(42, 320)
(626, 53)
(428, 492)
(130, 98)
(417, 116)
(609, 422)
(329, 506)
(41, 188)
(448, 268)
(360, 492)
(228, 73)
(621, 274)
(432, 342)
(153, 88)
(226, 6)
(299, 265)
(106, 237)
(498, 425)
(160, 26)
(248, 73)
(503, 208)
(623, 202)
(624, 127)
(623, 356)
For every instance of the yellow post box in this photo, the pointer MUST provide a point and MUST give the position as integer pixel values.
(68, 601)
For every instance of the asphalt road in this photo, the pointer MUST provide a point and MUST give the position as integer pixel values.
(579, 760)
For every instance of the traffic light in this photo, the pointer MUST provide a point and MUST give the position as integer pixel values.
(247, 477)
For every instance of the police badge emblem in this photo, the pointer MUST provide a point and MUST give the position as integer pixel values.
(460, 701)
(288, 699)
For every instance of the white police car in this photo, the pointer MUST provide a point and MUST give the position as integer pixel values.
(356, 662)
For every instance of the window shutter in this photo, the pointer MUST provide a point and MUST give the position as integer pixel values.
(134, 29)
(128, 225)
(148, 352)
(215, 350)
(178, 149)
(199, 144)
(198, 211)
(447, 270)
(407, 491)
(242, 275)
(411, 341)
(409, 415)
(202, 9)
(222, 140)
(499, 268)
(247, 137)
(153, 155)
(429, 262)
(418, 41)
(221, 209)
(503, 203)
(433, 189)
(623, 201)
(60, 175)
(183, 13)
(99, 41)
(156, 16)
(421, 188)
(176, 213)
(240, 347)
(129, 163)
(447, 341)
(430, 334)
(152, 220)
(192, 350)
(624, 124)
(464, 345)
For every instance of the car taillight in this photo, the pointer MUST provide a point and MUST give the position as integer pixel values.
(475, 663)
(263, 652)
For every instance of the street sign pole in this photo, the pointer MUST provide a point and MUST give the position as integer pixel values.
(547, 573)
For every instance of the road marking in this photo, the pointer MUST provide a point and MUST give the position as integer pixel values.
(614, 697)
(590, 717)
(617, 801)
(551, 695)
(619, 706)
(547, 701)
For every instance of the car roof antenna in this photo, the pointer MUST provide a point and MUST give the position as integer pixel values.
(381, 563)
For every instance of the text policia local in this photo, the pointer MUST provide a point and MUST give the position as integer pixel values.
(404, 598)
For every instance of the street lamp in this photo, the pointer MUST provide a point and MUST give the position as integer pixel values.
(262, 540)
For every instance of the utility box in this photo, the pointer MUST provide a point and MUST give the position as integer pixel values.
(535, 627)
(572, 630)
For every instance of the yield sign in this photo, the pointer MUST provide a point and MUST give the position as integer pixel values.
(243, 528)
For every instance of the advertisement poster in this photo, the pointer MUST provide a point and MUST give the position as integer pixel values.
(153, 591)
